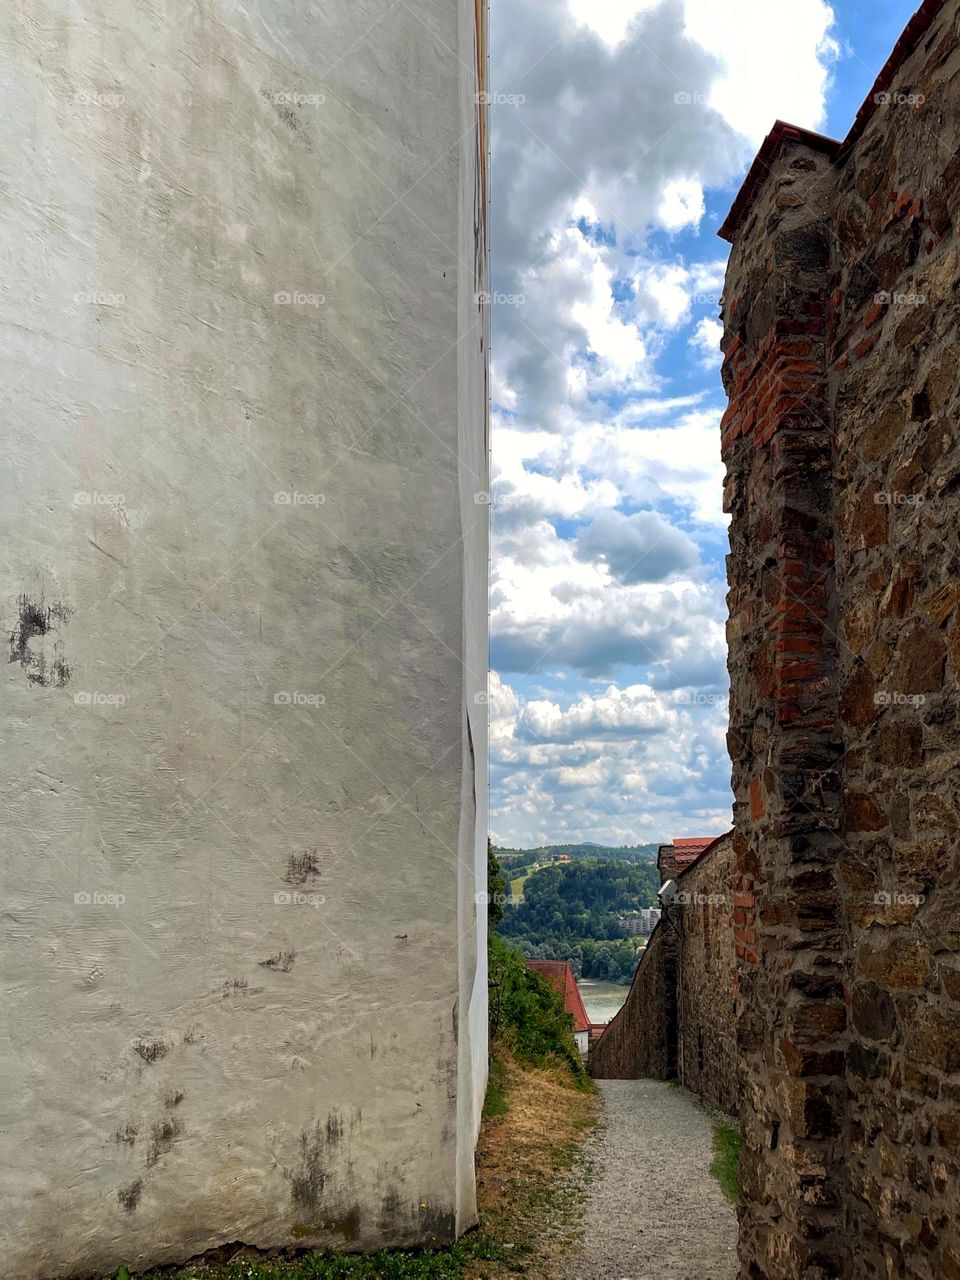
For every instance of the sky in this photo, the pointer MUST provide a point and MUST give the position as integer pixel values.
(622, 130)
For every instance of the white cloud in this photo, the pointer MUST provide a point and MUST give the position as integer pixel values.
(609, 19)
(622, 765)
(632, 109)
(643, 547)
(776, 59)
(681, 204)
(706, 341)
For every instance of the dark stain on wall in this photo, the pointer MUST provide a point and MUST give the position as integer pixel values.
(306, 1185)
(282, 961)
(303, 866)
(151, 1050)
(162, 1137)
(36, 619)
(129, 1196)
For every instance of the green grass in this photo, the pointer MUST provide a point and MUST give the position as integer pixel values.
(427, 1264)
(727, 1145)
(495, 1102)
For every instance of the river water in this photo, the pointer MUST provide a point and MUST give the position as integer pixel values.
(602, 999)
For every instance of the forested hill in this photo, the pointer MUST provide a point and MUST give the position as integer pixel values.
(613, 853)
(576, 900)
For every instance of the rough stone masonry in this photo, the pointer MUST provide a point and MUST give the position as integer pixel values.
(842, 364)
(243, 580)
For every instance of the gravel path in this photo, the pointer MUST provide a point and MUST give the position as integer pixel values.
(653, 1211)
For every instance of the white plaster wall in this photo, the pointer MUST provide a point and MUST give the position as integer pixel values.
(269, 1023)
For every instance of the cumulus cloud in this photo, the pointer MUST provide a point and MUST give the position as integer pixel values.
(607, 557)
(640, 548)
(550, 608)
(706, 341)
(618, 765)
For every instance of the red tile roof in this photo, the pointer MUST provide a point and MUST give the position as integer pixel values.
(687, 850)
(913, 33)
(560, 975)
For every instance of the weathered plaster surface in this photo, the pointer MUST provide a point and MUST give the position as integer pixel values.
(279, 1033)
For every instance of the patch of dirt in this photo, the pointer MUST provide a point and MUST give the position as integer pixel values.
(531, 1174)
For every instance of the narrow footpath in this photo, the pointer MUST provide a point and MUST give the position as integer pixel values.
(653, 1210)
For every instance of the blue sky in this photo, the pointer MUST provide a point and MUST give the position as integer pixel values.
(621, 132)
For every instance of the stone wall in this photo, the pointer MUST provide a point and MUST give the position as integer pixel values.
(641, 1040)
(678, 1019)
(841, 361)
(706, 978)
(243, 576)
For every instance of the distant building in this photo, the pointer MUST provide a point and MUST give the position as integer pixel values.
(642, 924)
(560, 975)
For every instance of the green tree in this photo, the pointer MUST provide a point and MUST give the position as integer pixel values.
(496, 887)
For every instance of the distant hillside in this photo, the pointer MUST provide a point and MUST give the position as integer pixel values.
(611, 853)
